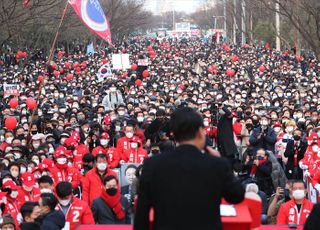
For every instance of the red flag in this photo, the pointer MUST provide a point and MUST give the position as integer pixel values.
(26, 3)
(91, 13)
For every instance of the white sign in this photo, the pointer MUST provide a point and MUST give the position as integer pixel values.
(11, 89)
(143, 62)
(183, 27)
(121, 61)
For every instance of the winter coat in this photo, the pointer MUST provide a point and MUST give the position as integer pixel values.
(53, 221)
(267, 141)
(288, 213)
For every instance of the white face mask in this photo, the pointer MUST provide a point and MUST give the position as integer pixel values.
(264, 122)
(140, 119)
(104, 142)
(23, 170)
(129, 135)
(51, 150)
(14, 194)
(113, 89)
(62, 161)
(134, 145)
(9, 140)
(315, 148)
(206, 123)
(45, 190)
(28, 189)
(102, 166)
(298, 194)
(36, 146)
(289, 129)
(64, 202)
(121, 113)
(15, 174)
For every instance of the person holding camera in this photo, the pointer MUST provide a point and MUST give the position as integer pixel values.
(263, 136)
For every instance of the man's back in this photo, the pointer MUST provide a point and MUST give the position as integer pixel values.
(185, 188)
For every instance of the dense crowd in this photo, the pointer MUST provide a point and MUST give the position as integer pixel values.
(59, 164)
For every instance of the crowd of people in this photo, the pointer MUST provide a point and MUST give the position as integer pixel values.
(58, 165)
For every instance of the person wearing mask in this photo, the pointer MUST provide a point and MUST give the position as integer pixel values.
(45, 184)
(170, 212)
(92, 182)
(295, 151)
(28, 191)
(62, 171)
(49, 218)
(281, 196)
(113, 156)
(123, 143)
(261, 171)
(296, 210)
(113, 98)
(263, 136)
(87, 162)
(8, 223)
(76, 211)
(246, 131)
(11, 206)
(110, 207)
(8, 138)
(153, 130)
(136, 154)
(30, 211)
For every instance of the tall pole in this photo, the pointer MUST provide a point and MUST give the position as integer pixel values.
(278, 43)
(251, 27)
(225, 18)
(297, 30)
(234, 22)
(243, 23)
(173, 20)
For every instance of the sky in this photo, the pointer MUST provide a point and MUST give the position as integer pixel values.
(188, 6)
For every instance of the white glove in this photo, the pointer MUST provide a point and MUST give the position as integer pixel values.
(302, 166)
(317, 186)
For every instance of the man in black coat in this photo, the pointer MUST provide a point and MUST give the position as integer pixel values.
(50, 219)
(295, 151)
(185, 186)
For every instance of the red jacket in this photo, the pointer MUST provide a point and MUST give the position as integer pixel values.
(78, 154)
(12, 208)
(123, 144)
(78, 213)
(68, 174)
(288, 212)
(92, 183)
(135, 156)
(25, 196)
(113, 156)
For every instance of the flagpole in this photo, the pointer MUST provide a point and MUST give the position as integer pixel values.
(50, 57)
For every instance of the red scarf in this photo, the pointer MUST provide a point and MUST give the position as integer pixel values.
(114, 203)
(255, 167)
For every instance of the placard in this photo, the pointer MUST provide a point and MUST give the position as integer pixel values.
(11, 89)
(121, 61)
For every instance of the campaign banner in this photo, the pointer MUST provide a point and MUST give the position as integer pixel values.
(127, 176)
(92, 15)
(11, 89)
(121, 61)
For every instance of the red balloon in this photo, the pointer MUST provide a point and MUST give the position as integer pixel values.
(234, 58)
(69, 77)
(123, 50)
(56, 73)
(61, 70)
(13, 103)
(138, 82)
(78, 69)
(53, 65)
(230, 72)
(11, 123)
(31, 103)
(145, 73)
(298, 58)
(134, 67)
(104, 61)
(40, 78)
(24, 54)
(67, 65)
(152, 53)
(262, 68)
(149, 48)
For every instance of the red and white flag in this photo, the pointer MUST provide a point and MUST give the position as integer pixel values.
(91, 13)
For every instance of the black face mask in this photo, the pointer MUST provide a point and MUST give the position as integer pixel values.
(296, 137)
(34, 132)
(255, 123)
(249, 126)
(155, 151)
(87, 167)
(112, 191)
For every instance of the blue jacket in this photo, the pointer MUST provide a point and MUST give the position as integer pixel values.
(267, 140)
